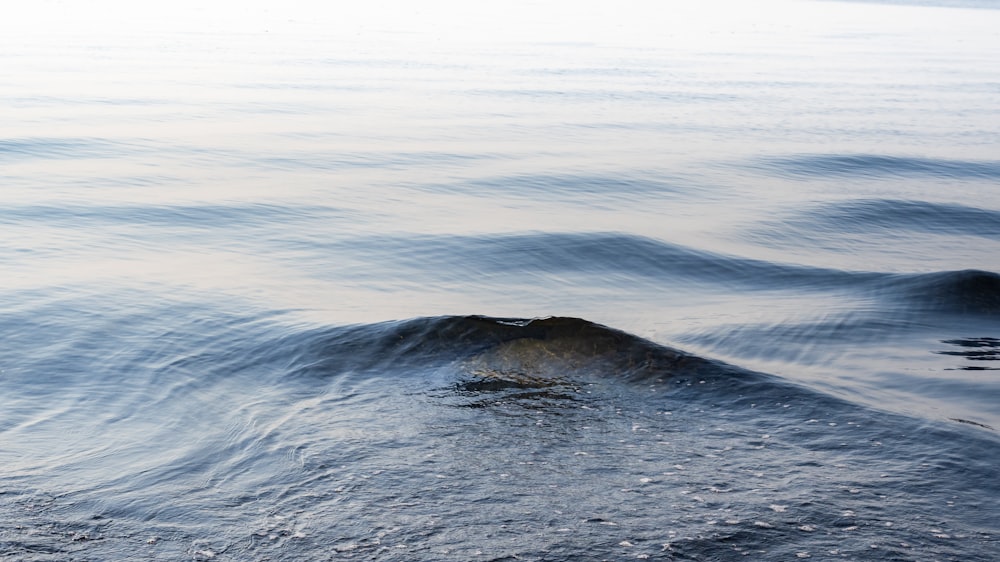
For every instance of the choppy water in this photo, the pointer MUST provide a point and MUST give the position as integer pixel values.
(531, 283)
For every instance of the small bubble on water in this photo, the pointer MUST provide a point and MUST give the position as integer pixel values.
(778, 508)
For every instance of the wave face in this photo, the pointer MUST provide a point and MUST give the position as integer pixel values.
(515, 281)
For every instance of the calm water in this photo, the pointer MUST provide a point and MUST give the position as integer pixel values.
(520, 282)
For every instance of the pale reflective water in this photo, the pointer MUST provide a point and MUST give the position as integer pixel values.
(244, 251)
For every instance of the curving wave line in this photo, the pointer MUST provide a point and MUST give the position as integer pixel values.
(891, 214)
(614, 256)
(62, 148)
(878, 166)
(503, 344)
(620, 258)
(568, 187)
(970, 291)
(171, 216)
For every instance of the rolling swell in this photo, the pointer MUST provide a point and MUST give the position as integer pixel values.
(620, 259)
(873, 215)
(175, 217)
(515, 357)
(552, 346)
(876, 166)
(968, 292)
(567, 187)
(63, 148)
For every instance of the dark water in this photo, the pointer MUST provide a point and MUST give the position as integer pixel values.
(531, 283)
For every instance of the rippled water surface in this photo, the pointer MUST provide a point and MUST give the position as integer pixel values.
(540, 282)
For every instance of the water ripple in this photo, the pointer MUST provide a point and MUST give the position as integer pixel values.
(891, 215)
(877, 166)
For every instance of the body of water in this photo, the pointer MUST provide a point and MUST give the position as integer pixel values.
(523, 282)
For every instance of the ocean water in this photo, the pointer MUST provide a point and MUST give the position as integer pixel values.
(437, 281)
